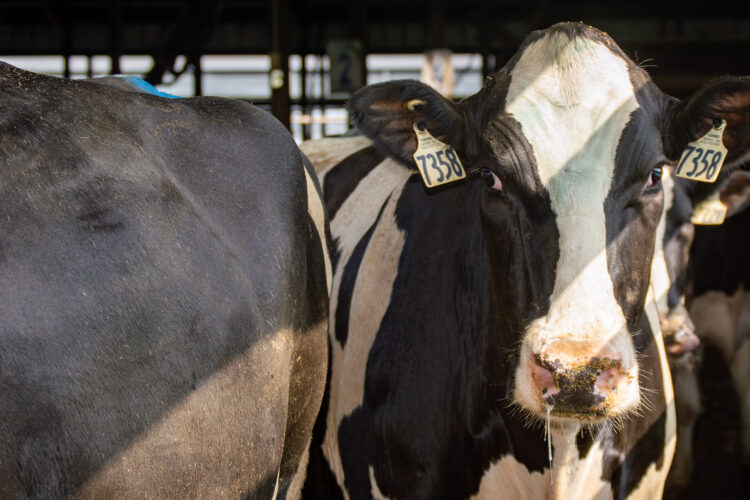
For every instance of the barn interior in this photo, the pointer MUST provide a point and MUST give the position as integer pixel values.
(295, 42)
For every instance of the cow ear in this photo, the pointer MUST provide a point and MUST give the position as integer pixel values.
(387, 112)
(722, 99)
(735, 192)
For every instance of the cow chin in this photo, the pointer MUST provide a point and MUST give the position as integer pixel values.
(568, 381)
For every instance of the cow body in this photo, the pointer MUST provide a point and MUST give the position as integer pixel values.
(467, 319)
(487, 456)
(164, 295)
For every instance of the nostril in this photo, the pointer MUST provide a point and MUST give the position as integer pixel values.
(543, 377)
(608, 380)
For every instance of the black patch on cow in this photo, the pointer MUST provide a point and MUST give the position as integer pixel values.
(584, 442)
(342, 180)
(435, 419)
(719, 256)
(265, 488)
(316, 307)
(355, 446)
(642, 337)
(648, 450)
(349, 278)
(677, 240)
(633, 212)
(96, 199)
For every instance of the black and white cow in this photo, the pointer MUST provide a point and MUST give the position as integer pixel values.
(163, 295)
(671, 282)
(720, 308)
(720, 300)
(465, 317)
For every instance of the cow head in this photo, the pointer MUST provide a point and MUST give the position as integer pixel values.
(566, 145)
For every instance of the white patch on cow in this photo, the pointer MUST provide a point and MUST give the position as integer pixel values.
(571, 476)
(328, 152)
(509, 479)
(317, 213)
(375, 279)
(374, 490)
(573, 99)
(203, 446)
(660, 281)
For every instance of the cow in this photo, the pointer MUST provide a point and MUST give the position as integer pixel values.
(471, 320)
(164, 283)
(717, 277)
(672, 283)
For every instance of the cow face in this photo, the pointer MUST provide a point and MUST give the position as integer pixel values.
(569, 141)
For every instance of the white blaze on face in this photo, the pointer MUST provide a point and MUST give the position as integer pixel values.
(573, 99)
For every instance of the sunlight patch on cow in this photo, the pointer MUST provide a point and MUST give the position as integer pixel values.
(509, 479)
(185, 454)
(328, 152)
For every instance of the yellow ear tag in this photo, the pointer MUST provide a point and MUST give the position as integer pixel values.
(703, 158)
(437, 162)
(709, 212)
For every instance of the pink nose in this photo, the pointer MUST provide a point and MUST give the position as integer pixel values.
(579, 389)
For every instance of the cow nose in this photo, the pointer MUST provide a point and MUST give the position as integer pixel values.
(578, 389)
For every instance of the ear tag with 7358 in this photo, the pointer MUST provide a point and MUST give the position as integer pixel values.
(703, 158)
(437, 162)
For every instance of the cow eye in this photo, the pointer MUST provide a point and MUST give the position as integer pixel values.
(655, 177)
(491, 180)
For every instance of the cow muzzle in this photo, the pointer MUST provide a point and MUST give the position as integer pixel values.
(585, 387)
(679, 332)
(578, 390)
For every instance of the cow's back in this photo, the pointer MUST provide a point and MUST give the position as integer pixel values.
(161, 280)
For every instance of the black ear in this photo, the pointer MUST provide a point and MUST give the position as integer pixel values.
(725, 98)
(735, 192)
(386, 113)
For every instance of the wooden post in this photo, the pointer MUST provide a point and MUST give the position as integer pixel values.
(115, 36)
(281, 104)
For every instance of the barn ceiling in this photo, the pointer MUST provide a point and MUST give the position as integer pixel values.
(683, 44)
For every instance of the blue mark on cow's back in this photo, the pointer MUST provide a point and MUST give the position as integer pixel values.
(146, 87)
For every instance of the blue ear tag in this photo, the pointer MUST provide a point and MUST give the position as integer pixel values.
(437, 162)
